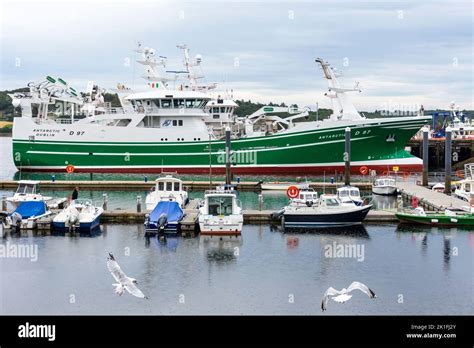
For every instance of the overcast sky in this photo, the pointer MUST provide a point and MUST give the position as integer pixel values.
(402, 52)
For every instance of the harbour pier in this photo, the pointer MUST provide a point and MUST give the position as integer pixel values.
(429, 199)
(129, 185)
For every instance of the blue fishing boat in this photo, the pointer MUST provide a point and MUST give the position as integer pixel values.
(26, 215)
(164, 218)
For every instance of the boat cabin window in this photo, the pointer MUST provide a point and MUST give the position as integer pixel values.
(467, 187)
(169, 186)
(343, 193)
(220, 205)
(331, 202)
(216, 117)
(178, 103)
(25, 189)
(180, 122)
(161, 186)
(190, 103)
(354, 193)
(176, 186)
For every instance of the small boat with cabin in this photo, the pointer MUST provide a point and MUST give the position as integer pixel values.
(465, 187)
(28, 190)
(328, 212)
(167, 187)
(220, 216)
(384, 186)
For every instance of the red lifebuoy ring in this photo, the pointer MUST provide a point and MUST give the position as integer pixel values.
(364, 170)
(293, 191)
(414, 202)
(70, 168)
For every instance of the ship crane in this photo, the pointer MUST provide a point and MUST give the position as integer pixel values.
(342, 107)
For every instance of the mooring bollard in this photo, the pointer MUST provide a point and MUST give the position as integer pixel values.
(347, 157)
(146, 178)
(447, 161)
(332, 180)
(399, 202)
(260, 201)
(106, 200)
(425, 157)
(139, 204)
(4, 203)
(53, 178)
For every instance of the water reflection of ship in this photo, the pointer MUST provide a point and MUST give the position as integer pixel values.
(355, 231)
(164, 242)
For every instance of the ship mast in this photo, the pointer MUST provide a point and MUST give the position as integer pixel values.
(149, 61)
(342, 107)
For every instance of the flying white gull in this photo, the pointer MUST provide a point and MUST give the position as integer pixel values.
(124, 282)
(343, 295)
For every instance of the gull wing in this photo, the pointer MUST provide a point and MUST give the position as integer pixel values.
(362, 287)
(329, 292)
(132, 289)
(116, 271)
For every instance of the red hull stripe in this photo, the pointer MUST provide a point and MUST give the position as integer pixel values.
(276, 170)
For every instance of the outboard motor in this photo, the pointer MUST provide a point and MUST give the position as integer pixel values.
(162, 221)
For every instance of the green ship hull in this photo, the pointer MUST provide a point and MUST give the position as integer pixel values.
(90, 148)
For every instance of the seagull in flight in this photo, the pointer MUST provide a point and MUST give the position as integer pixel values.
(342, 296)
(124, 282)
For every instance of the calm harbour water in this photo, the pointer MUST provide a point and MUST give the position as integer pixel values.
(412, 270)
(271, 268)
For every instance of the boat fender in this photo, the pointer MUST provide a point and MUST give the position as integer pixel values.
(309, 203)
(414, 202)
(472, 202)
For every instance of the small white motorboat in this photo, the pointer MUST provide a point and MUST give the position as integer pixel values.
(384, 186)
(439, 187)
(26, 215)
(306, 197)
(167, 187)
(28, 190)
(349, 195)
(79, 215)
(465, 187)
(220, 216)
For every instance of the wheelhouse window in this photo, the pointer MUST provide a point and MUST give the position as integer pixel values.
(178, 103)
(161, 186)
(176, 186)
(180, 122)
(166, 103)
(190, 103)
(169, 186)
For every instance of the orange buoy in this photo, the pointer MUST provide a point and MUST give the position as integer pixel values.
(293, 191)
(364, 170)
(70, 168)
